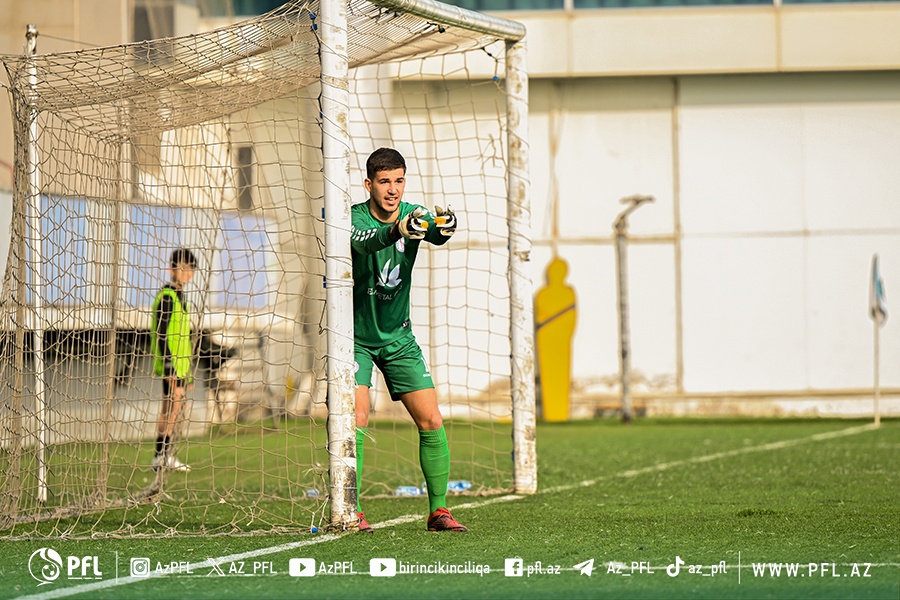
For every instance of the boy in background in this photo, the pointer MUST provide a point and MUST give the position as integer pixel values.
(172, 353)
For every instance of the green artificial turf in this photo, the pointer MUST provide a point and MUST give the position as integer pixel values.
(718, 494)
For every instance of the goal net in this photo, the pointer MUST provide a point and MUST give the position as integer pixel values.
(247, 146)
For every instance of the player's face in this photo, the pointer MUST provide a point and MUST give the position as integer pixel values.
(385, 193)
(182, 274)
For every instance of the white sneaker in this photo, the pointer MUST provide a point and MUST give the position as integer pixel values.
(169, 462)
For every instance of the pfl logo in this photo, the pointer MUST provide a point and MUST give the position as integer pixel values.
(45, 565)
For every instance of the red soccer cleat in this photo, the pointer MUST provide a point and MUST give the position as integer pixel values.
(442, 520)
(364, 525)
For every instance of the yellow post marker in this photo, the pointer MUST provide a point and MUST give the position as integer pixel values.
(554, 312)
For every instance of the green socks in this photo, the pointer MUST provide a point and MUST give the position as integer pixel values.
(434, 456)
(360, 437)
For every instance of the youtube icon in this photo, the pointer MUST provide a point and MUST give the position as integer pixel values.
(383, 567)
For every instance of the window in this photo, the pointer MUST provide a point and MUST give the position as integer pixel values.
(238, 8)
(153, 21)
(242, 262)
(67, 251)
(152, 233)
(246, 167)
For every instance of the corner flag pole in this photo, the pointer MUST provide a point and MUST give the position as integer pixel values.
(877, 385)
(879, 315)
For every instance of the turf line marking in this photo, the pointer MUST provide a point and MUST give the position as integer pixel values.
(828, 435)
(211, 562)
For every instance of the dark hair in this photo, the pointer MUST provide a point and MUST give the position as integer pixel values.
(183, 256)
(384, 159)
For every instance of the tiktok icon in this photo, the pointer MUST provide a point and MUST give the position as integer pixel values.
(673, 569)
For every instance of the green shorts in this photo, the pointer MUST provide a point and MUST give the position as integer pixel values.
(401, 362)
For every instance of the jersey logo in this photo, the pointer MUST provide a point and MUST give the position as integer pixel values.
(389, 278)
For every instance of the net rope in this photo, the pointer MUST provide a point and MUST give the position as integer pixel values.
(213, 142)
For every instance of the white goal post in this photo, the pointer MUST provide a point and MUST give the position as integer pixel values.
(245, 143)
(337, 202)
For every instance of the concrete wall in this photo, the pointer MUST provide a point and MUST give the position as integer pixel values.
(749, 275)
(768, 135)
(712, 39)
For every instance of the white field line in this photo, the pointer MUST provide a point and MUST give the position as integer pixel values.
(209, 563)
(717, 456)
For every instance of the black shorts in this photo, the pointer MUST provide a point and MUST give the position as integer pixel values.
(167, 388)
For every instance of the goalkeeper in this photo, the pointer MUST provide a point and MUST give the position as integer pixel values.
(385, 238)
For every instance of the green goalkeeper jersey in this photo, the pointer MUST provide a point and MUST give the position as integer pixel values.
(382, 275)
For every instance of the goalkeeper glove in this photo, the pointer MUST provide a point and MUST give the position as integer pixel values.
(445, 221)
(413, 226)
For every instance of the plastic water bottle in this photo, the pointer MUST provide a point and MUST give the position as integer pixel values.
(453, 487)
(312, 493)
(458, 486)
(407, 491)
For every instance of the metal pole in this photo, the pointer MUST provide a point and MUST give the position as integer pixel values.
(621, 229)
(520, 289)
(878, 313)
(624, 333)
(123, 192)
(338, 266)
(37, 265)
(439, 12)
(877, 372)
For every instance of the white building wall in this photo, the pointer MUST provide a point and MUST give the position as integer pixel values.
(769, 137)
(614, 139)
(787, 189)
(776, 37)
(749, 275)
